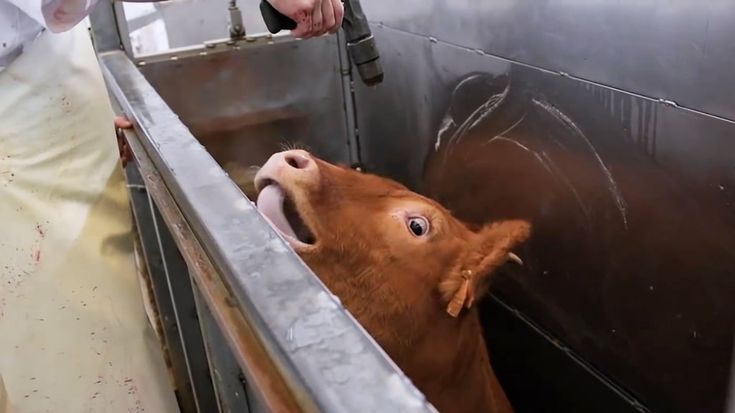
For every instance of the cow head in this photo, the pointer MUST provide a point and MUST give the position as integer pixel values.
(391, 255)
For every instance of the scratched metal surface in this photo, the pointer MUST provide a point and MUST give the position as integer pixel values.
(677, 50)
(324, 353)
(243, 105)
(631, 262)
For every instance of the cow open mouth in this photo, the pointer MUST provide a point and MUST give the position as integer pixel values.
(279, 208)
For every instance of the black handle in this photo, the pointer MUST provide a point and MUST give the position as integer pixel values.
(274, 20)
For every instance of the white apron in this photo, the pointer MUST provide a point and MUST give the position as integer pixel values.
(73, 332)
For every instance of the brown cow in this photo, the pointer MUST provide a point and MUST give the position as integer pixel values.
(401, 264)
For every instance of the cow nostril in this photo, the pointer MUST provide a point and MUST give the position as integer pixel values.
(297, 161)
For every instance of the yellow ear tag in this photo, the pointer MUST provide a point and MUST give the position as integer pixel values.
(461, 298)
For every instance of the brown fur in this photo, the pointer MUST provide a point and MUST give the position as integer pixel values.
(399, 286)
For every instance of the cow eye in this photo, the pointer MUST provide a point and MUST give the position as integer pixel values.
(418, 226)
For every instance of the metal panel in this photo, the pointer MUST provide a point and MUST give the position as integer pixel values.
(243, 105)
(327, 359)
(564, 384)
(194, 22)
(677, 50)
(104, 27)
(187, 322)
(148, 234)
(229, 383)
(631, 262)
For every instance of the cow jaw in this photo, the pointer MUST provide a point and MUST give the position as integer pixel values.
(280, 210)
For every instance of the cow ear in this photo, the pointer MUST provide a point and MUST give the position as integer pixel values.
(488, 249)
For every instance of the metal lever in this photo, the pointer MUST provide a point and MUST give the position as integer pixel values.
(360, 41)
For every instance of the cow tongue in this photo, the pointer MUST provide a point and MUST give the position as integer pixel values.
(270, 204)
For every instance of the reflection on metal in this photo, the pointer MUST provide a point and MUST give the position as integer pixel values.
(631, 198)
(278, 318)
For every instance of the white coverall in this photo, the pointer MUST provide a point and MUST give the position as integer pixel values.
(74, 336)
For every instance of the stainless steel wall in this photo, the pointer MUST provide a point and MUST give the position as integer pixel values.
(632, 262)
(680, 50)
(244, 105)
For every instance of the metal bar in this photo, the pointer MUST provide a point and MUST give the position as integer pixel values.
(122, 28)
(229, 382)
(212, 47)
(103, 23)
(182, 298)
(730, 402)
(348, 92)
(109, 27)
(326, 359)
(154, 262)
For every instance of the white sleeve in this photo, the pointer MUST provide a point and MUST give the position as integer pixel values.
(56, 15)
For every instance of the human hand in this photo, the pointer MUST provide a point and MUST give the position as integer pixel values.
(313, 17)
(125, 153)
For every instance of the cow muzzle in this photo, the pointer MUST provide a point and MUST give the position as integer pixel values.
(275, 182)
